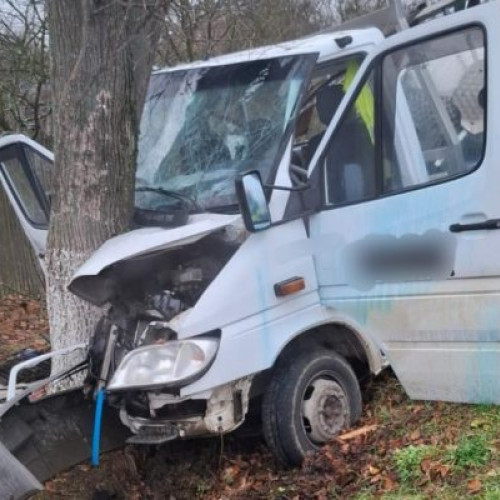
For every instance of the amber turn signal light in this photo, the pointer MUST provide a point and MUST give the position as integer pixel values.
(287, 287)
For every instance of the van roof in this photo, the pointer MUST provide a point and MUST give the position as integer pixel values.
(324, 44)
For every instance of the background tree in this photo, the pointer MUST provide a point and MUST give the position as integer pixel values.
(24, 69)
(24, 107)
(101, 54)
(204, 28)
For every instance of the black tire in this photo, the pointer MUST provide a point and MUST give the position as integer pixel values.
(287, 432)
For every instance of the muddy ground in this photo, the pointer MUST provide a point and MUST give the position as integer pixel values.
(400, 449)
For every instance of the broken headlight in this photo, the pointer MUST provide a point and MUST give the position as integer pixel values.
(165, 364)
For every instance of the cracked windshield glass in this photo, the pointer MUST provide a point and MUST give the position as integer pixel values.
(202, 127)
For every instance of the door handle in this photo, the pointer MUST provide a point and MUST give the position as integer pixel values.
(476, 226)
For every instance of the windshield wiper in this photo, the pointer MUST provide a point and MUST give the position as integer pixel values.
(230, 208)
(171, 194)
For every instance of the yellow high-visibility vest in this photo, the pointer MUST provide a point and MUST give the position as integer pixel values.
(365, 104)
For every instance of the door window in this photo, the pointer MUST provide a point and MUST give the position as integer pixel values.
(349, 160)
(328, 85)
(43, 169)
(435, 92)
(23, 190)
(430, 123)
(29, 178)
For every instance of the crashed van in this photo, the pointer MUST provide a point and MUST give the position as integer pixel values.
(306, 214)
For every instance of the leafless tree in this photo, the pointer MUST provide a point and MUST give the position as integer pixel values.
(204, 28)
(23, 108)
(24, 66)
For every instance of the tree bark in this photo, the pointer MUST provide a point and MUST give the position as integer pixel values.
(101, 57)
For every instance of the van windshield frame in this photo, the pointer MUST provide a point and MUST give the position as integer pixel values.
(202, 127)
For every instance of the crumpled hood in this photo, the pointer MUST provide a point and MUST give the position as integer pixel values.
(146, 240)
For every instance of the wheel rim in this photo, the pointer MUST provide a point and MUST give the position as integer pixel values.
(324, 409)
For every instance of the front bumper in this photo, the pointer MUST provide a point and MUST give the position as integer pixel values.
(225, 410)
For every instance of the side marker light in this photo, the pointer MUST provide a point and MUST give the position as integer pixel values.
(290, 286)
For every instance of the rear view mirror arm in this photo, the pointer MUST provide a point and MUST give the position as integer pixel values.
(271, 187)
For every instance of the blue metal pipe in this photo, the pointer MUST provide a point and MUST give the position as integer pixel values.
(96, 437)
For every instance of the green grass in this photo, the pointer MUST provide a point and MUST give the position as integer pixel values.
(471, 451)
(407, 461)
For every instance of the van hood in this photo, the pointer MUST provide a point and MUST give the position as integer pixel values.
(145, 241)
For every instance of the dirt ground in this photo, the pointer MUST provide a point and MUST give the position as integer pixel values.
(401, 449)
(23, 324)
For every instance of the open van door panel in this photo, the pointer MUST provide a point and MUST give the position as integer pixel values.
(408, 237)
(26, 170)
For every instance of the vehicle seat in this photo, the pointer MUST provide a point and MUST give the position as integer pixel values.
(328, 99)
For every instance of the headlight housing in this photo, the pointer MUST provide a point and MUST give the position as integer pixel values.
(169, 364)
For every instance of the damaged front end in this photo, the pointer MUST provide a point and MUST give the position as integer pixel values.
(150, 280)
(163, 328)
(170, 417)
(136, 354)
(201, 128)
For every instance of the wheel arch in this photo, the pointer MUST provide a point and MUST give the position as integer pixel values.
(363, 355)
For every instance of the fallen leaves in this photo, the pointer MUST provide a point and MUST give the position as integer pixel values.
(361, 459)
(474, 486)
(23, 324)
(415, 435)
(434, 470)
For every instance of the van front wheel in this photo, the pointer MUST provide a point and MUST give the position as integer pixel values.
(311, 398)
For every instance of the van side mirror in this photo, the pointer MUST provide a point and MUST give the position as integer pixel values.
(252, 201)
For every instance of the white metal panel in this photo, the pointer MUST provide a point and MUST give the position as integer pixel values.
(255, 323)
(37, 237)
(441, 335)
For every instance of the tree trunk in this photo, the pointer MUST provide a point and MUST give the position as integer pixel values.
(101, 54)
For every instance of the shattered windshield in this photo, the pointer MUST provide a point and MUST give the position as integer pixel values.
(202, 127)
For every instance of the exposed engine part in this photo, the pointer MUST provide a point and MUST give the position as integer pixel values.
(96, 349)
(163, 305)
(155, 332)
(108, 355)
(131, 286)
(187, 275)
(147, 293)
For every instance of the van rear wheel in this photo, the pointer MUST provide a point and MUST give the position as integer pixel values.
(311, 398)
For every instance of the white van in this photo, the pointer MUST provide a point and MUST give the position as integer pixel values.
(298, 250)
